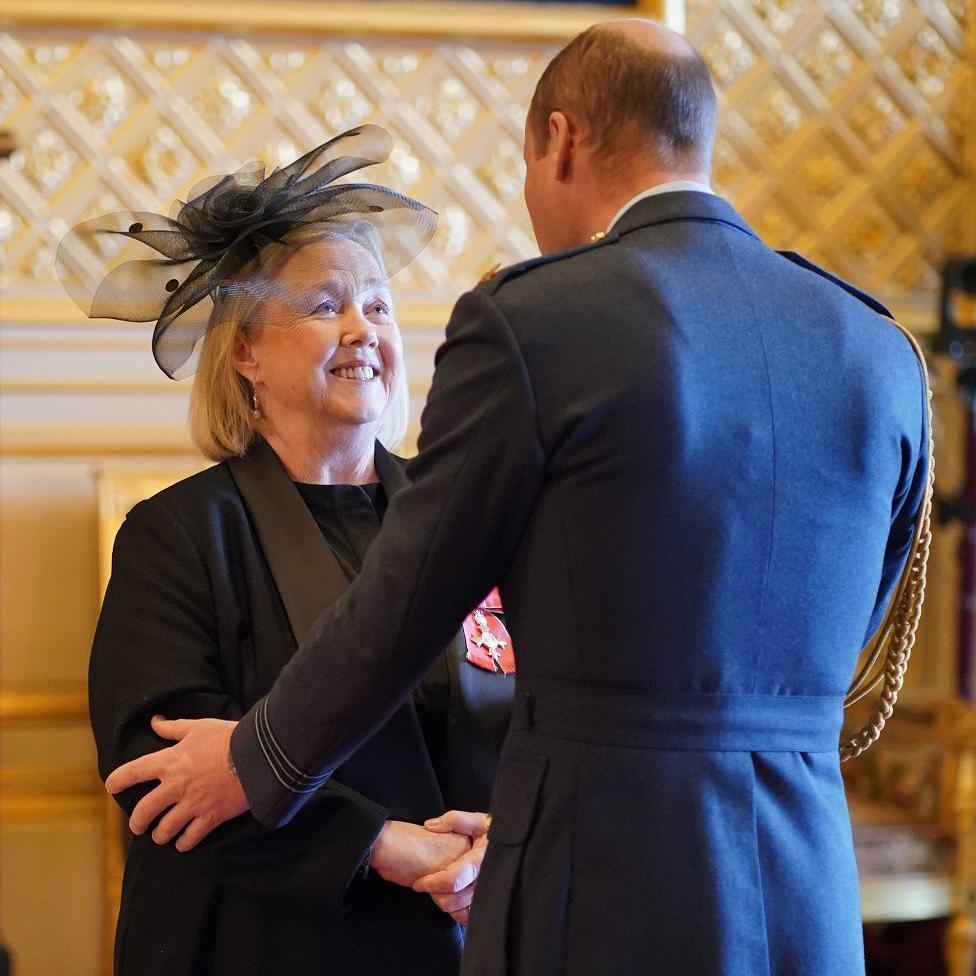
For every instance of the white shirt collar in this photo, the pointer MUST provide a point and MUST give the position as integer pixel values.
(672, 186)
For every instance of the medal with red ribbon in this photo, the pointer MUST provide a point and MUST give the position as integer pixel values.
(489, 645)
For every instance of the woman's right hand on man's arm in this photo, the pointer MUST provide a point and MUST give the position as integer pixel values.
(405, 852)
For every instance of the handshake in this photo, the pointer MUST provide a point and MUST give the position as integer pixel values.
(442, 858)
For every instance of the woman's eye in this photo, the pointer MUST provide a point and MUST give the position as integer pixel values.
(328, 307)
(378, 308)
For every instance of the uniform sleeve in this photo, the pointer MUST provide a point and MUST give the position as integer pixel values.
(156, 652)
(904, 510)
(446, 539)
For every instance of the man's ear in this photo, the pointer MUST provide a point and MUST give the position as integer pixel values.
(242, 356)
(562, 142)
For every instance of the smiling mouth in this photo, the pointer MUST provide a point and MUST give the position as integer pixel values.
(355, 373)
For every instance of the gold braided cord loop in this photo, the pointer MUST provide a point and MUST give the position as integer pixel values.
(901, 620)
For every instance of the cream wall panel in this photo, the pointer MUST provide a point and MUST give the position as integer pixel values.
(39, 746)
(48, 571)
(52, 907)
(53, 408)
(50, 896)
(68, 390)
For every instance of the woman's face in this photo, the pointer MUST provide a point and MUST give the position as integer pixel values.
(329, 346)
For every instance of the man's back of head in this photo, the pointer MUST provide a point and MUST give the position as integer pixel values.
(625, 105)
(632, 85)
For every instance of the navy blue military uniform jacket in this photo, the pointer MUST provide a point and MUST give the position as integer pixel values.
(692, 466)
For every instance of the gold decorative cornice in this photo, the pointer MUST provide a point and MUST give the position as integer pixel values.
(471, 20)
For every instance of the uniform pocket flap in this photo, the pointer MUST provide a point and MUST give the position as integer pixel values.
(517, 785)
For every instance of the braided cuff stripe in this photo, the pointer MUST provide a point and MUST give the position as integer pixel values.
(285, 771)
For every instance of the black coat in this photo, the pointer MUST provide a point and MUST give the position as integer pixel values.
(192, 625)
(692, 466)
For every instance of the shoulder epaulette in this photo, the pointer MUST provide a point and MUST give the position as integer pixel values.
(862, 296)
(491, 282)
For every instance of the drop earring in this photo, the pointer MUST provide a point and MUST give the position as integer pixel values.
(256, 405)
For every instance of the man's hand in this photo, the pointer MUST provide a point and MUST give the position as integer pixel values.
(453, 887)
(196, 784)
(404, 852)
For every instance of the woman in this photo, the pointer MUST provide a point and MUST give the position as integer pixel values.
(215, 579)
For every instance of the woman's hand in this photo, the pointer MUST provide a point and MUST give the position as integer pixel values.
(453, 887)
(405, 852)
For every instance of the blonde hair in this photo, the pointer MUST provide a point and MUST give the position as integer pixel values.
(221, 415)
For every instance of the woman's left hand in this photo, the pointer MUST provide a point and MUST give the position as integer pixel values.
(452, 888)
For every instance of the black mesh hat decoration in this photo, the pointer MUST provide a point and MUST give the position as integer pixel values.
(223, 225)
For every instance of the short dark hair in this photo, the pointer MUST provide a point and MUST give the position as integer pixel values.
(612, 86)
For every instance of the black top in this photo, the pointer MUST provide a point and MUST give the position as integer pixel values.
(350, 517)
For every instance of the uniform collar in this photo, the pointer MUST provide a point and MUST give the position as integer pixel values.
(662, 208)
(672, 186)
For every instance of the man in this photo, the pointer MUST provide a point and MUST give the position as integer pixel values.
(693, 466)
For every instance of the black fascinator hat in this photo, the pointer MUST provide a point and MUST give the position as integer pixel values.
(222, 226)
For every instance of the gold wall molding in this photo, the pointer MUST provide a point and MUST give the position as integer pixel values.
(44, 780)
(51, 341)
(40, 792)
(19, 808)
(64, 793)
(533, 21)
(43, 707)
(119, 489)
(97, 387)
(66, 443)
(70, 441)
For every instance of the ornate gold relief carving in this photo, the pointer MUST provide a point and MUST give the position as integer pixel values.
(848, 131)
(875, 118)
(131, 118)
(879, 16)
(848, 120)
(728, 54)
(827, 58)
(224, 102)
(47, 160)
(779, 16)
